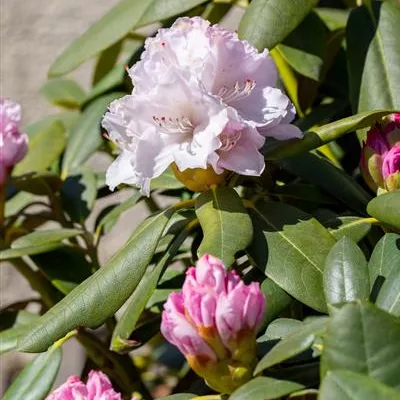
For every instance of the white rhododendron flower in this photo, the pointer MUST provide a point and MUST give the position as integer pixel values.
(202, 97)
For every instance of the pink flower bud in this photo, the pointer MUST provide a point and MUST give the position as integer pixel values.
(214, 321)
(98, 387)
(13, 144)
(379, 164)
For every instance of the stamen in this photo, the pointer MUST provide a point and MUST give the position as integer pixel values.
(229, 141)
(169, 125)
(238, 91)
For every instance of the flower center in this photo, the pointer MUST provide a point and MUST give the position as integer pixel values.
(181, 125)
(237, 92)
(229, 141)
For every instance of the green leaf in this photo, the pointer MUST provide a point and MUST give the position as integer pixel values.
(9, 337)
(278, 300)
(267, 22)
(17, 203)
(361, 338)
(179, 396)
(385, 257)
(355, 228)
(119, 21)
(108, 221)
(36, 379)
(102, 294)
(39, 183)
(322, 173)
(166, 181)
(39, 238)
(284, 244)
(374, 57)
(304, 48)
(293, 344)
(334, 18)
(389, 295)
(63, 92)
(161, 10)
(321, 135)
(346, 275)
(347, 385)
(263, 388)
(137, 303)
(43, 149)
(106, 62)
(280, 328)
(9, 254)
(65, 268)
(78, 194)
(386, 208)
(85, 138)
(222, 215)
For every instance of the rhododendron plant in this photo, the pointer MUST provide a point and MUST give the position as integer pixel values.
(196, 223)
(201, 97)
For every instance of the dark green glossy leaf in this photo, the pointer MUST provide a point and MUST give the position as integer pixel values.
(322, 135)
(355, 228)
(334, 18)
(40, 183)
(43, 149)
(322, 173)
(78, 194)
(108, 30)
(63, 92)
(222, 215)
(284, 244)
(293, 344)
(85, 137)
(39, 238)
(101, 295)
(386, 208)
(346, 275)
(263, 388)
(374, 57)
(267, 22)
(347, 385)
(278, 299)
(36, 379)
(280, 328)
(361, 338)
(389, 294)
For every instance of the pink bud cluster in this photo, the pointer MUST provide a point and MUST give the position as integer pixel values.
(215, 319)
(380, 156)
(13, 144)
(98, 387)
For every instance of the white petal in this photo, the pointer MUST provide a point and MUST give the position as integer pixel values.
(121, 171)
(283, 132)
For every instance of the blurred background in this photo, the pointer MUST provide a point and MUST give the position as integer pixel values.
(33, 33)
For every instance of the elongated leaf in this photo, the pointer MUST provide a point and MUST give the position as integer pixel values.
(374, 57)
(267, 22)
(293, 344)
(322, 135)
(106, 62)
(347, 385)
(101, 295)
(263, 388)
(9, 337)
(43, 149)
(385, 258)
(39, 183)
(141, 296)
(222, 215)
(278, 300)
(9, 254)
(179, 396)
(361, 338)
(324, 174)
(111, 218)
(355, 228)
(284, 244)
(167, 180)
(39, 238)
(280, 328)
(334, 18)
(17, 202)
(102, 34)
(386, 208)
(161, 10)
(63, 92)
(346, 275)
(85, 137)
(36, 379)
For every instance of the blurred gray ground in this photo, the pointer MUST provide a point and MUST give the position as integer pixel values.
(33, 33)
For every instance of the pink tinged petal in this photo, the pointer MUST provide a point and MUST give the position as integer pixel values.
(282, 132)
(72, 389)
(97, 384)
(254, 306)
(376, 140)
(391, 161)
(211, 272)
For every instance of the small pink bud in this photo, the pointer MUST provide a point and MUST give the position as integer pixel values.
(379, 161)
(214, 321)
(13, 144)
(98, 387)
